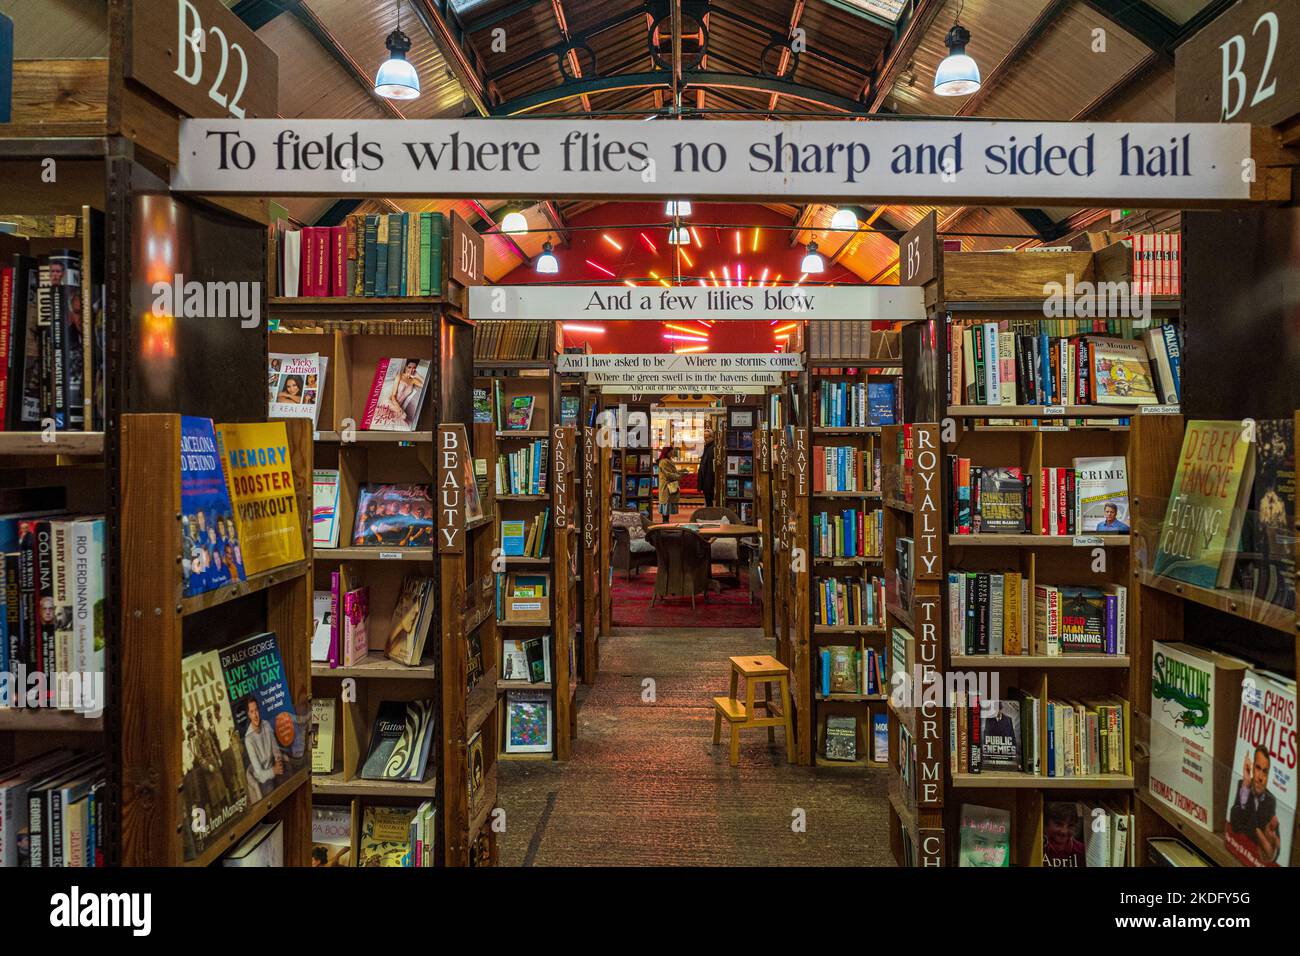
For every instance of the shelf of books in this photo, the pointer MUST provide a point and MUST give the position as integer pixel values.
(635, 473)
(54, 677)
(362, 369)
(1215, 641)
(850, 406)
(535, 584)
(739, 485)
(216, 691)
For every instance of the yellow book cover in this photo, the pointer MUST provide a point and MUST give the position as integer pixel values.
(259, 474)
(1011, 614)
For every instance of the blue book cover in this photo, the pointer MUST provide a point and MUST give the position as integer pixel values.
(1051, 739)
(210, 552)
(879, 736)
(826, 671)
(880, 403)
(1045, 367)
(274, 745)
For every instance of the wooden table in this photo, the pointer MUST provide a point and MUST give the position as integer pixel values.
(712, 533)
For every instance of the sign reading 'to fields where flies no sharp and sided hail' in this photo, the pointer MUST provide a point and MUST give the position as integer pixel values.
(1153, 164)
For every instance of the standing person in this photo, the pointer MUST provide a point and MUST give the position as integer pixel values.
(669, 477)
(704, 474)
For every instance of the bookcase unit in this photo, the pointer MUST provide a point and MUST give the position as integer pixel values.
(739, 484)
(354, 335)
(1234, 620)
(554, 618)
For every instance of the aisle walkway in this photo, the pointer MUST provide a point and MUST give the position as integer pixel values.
(645, 785)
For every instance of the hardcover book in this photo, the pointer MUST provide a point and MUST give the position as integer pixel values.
(985, 837)
(263, 712)
(385, 837)
(1083, 621)
(1266, 568)
(1121, 372)
(400, 741)
(331, 836)
(396, 394)
(841, 738)
(1262, 794)
(410, 621)
(322, 734)
(1101, 495)
(1000, 741)
(1063, 835)
(259, 476)
(1195, 696)
(296, 386)
(210, 548)
(355, 643)
(519, 413)
(1202, 525)
(213, 780)
(325, 508)
(1001, 496)
(322, 615)
(394, 516)
(528, 722)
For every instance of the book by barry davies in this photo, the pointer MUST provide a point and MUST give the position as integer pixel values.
(211, 554)
(1262, 794)
(264, 715)
(1195, 694)
(212, 763)
(259, 476)
(1202, 525)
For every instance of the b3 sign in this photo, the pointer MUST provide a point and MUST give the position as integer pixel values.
(202, 59)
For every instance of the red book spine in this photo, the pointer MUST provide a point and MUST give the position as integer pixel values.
(376, 387)
(334, 620)
(339, 249)
(862, 534)
(307, 262)
(819, 468)
(1060, 500)
(1043, 510)
(323, 269)
(6, 309)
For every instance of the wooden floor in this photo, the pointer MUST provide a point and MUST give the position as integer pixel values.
(646, 787)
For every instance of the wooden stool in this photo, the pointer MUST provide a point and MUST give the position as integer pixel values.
(756, 669)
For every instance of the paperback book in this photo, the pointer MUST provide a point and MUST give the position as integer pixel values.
(528, 722)
(396, 395)
(400, 742)
(211, 555)
(263, 712)
(394, 516)
(325, 508)
(1262, 795)
(296, 386)
(259, 476)
(213, 778)
(985, 838)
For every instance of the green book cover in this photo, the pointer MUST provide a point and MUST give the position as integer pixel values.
(395, 269)
(438, 233)
(370, 255)
(405, 230)
(426, 247)
(1199, 537)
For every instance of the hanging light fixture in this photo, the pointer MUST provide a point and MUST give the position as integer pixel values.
(958, 74)
(678, 207)
(844, 219)
(397, 78)
(546, 263)
(679, 236)
(513, 223)
(812, 262)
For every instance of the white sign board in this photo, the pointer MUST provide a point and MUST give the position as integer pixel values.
(670, 362)
(933, 162)
(712, 390)
(562, 303)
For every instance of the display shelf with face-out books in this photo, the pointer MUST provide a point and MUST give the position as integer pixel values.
(1201, 768)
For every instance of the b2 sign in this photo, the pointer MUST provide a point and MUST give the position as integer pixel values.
(202, 59)
(1233, 70)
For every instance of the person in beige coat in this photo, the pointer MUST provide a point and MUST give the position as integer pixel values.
(669, 483)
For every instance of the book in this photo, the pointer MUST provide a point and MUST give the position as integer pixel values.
(261, 846)
(401, 741)
(264, 714)
(409, 629)
(514, 661)
(985, 836)
(1083, 621)
(259, 477)
(1101, 495)
(385, 836)
(1063, 845)
(1195, 697)
(325, 507)
(1166, 851)
(841, 738)
(322, 614)
(880, 737)
(1203, 520)
(213, 779)
(1001, 496)
(1121, 372)
(331, 836)
(322, 734)
(394, 516)
(354, 641)
(1000, 743)
(396, 394)
(482, 407)
(519, 413)
(211, 556)
(528, 722)
(512, 538)
(296, 385)
(1262, 793)
(476, 771)
(1266, 567)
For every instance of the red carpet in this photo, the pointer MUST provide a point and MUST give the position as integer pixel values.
(631, 605)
